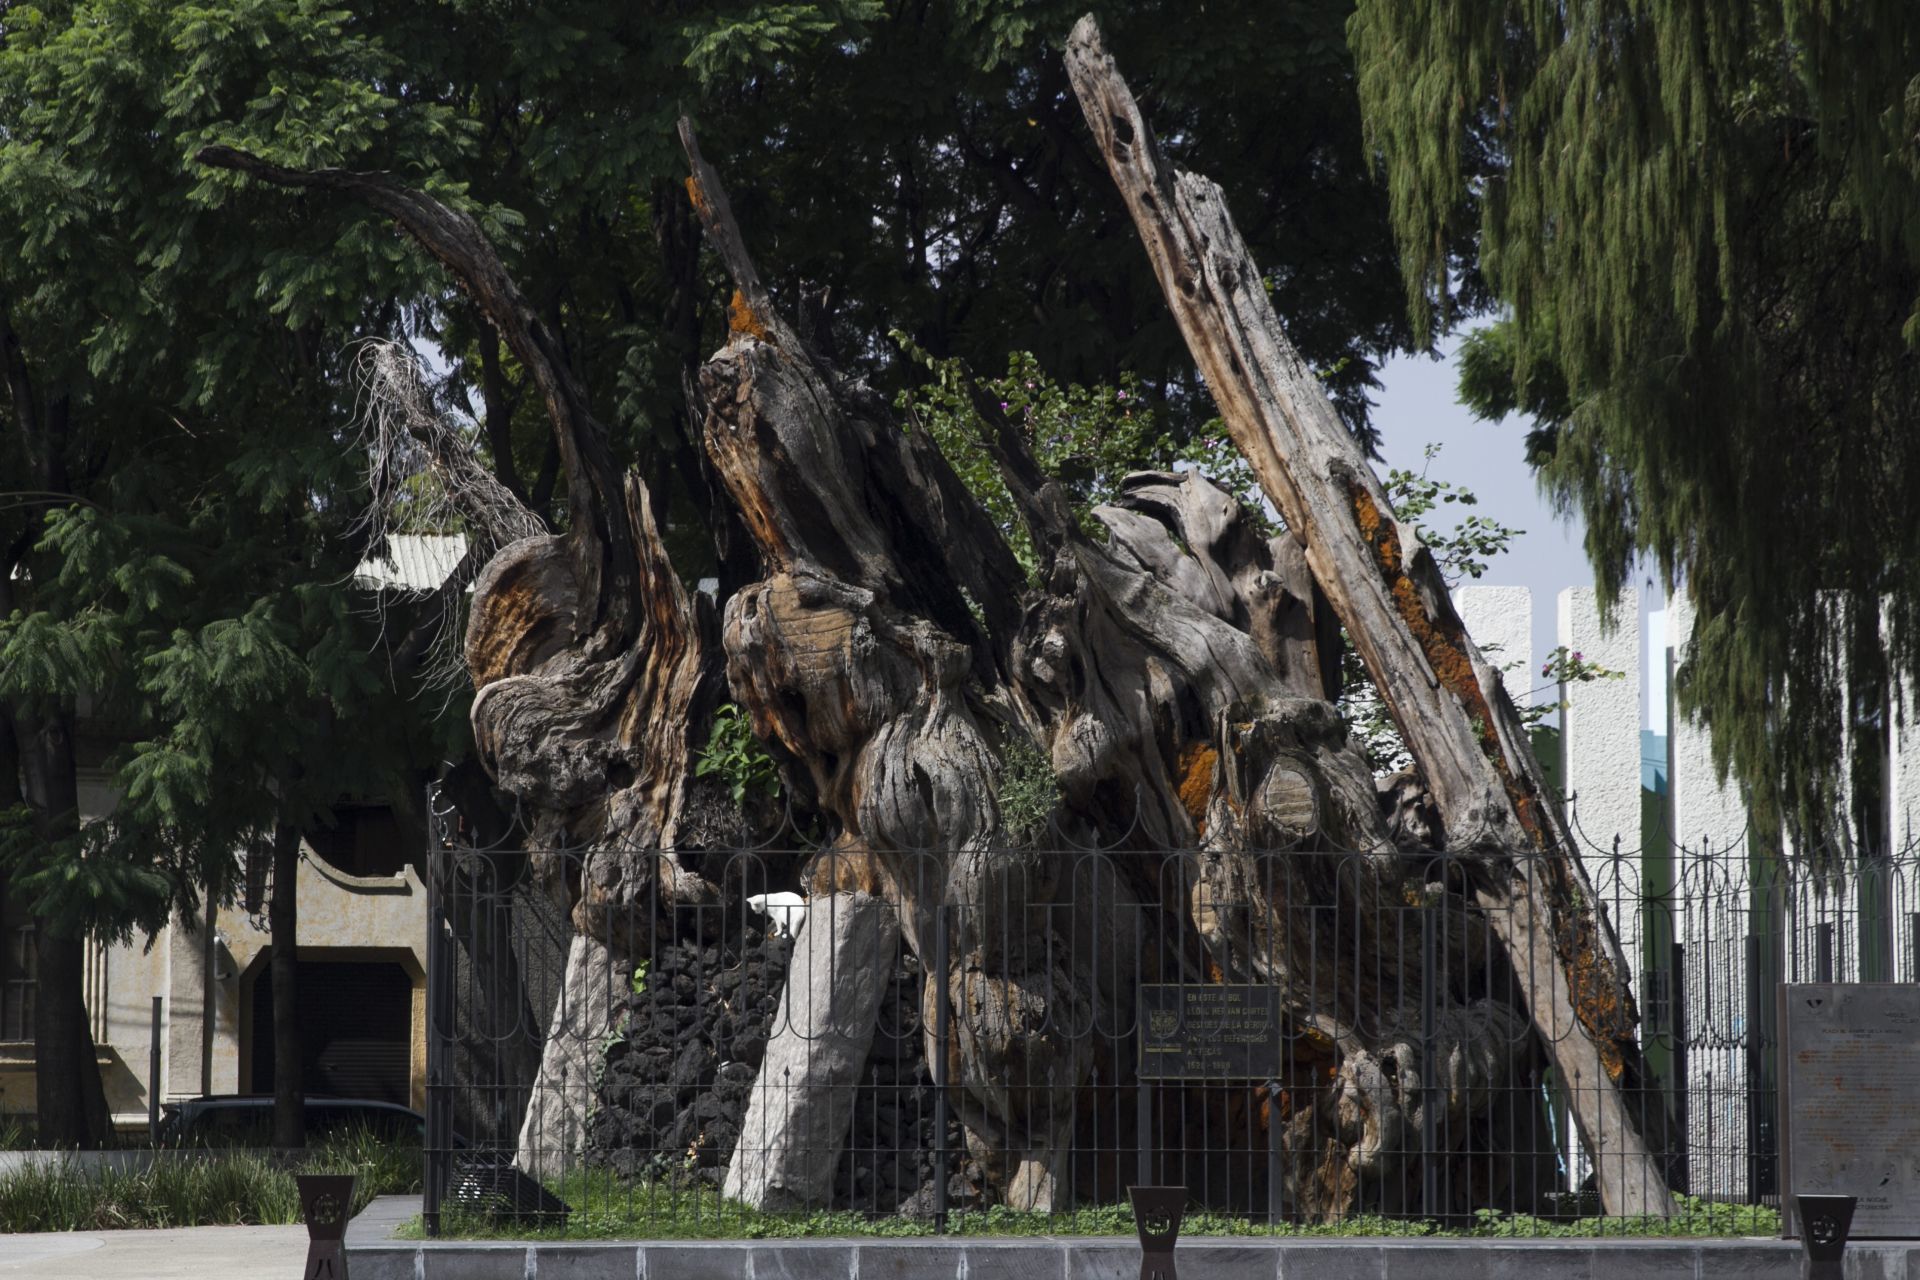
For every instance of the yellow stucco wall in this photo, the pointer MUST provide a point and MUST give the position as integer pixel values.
(342, 918)
(206, 1025)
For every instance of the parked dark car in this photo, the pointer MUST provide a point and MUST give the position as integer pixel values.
(246, 1120)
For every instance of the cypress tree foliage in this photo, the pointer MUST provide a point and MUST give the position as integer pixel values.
(1702, 222)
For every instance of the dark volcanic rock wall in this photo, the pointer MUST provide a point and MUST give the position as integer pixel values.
(674, 1088)
(888, 1163)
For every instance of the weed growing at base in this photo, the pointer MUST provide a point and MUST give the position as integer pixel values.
(608, 1208)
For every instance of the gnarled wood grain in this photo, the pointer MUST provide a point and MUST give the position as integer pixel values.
(1174, 671)
(1448, 702)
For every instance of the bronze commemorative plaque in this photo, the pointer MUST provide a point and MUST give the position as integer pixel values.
(1205, 1032)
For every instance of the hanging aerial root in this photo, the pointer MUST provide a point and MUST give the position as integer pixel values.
(424, 476)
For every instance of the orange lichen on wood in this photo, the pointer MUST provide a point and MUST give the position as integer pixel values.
(1195, 769)
(1598, 997)
(740, 318)
(843, 871)
(1594, 989)
(697, 197)
(1444, 644)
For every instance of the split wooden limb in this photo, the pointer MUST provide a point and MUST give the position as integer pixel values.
(601, 543)
(1448, 702)
(593, 733)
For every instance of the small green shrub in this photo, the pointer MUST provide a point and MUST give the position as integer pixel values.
(1029, 792)
(736, 757)
(385, 1167)
(17, 1133)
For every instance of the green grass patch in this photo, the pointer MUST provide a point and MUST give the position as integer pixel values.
(610, 1208)
(16, 1132)
(216, 1187)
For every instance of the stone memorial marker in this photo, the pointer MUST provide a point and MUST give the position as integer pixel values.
(1850, 1106)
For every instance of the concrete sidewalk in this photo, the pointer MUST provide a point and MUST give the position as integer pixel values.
(186, 1253)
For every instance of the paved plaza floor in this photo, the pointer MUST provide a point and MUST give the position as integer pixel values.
(202, 1253)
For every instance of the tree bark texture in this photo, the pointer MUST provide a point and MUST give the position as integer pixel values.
(1172, 675)
(70, 1096)
(70, 1099)
(1450, 704)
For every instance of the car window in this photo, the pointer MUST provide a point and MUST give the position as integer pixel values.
(250, 1122)
(389, 1123)
(231, 1124)
(385, 1122)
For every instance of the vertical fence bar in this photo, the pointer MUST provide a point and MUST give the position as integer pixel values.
(439, 1136)
(1823, 962)
(1276, 1174)
(1680, 1023)
(1759, 1110)
(153, 1077)
(942, 1017)
(1143, 1101)
(1429, 1070)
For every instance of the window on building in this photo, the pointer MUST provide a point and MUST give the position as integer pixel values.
(257, 867)
(16, 1000)
(364, 840)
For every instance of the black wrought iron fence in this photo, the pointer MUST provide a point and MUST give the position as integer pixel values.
(1295, 1036)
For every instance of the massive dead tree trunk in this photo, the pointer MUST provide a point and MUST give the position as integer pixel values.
(1448, 702)
(1174, 673)
(590, 664)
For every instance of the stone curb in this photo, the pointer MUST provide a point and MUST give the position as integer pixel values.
(374, 1255)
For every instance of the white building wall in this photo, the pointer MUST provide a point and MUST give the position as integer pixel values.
(1905, 788)
(1712, 924)
(1708, 819)
(1500, 620)
(1600, 753)
(1904, 796)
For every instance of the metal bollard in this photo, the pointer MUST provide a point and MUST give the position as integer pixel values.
(1824, 1223)
(1156, 1215)
(326, 1200)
